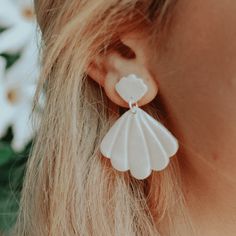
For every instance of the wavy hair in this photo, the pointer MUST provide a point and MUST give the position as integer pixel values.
(69, 188)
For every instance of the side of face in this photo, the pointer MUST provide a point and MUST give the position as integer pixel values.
(194, 72)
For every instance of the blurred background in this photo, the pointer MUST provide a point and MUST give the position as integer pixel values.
(19, 72)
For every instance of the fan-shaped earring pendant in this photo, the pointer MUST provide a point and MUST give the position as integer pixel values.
(137, 142)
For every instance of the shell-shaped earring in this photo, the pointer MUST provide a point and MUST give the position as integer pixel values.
(137, 142)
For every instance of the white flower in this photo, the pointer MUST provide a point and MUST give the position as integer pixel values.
(17, 89)
(17, 16)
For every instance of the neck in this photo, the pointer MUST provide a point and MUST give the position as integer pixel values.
(208, 159)
(209, 184)
(204, 118)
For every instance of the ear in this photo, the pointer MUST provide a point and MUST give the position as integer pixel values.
(129, 58)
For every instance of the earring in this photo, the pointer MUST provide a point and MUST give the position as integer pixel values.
(137, 142)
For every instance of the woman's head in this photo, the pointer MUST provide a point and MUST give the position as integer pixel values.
(70, 189)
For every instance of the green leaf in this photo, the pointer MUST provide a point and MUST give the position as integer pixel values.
(2, 29)
(6, 153)
(12, 170)
(12, 175)
(10, 58)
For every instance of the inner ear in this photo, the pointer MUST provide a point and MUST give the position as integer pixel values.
(124, 50)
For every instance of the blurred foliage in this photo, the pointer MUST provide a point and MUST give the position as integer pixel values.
(1, 29)
(11, 59)
(12, 169)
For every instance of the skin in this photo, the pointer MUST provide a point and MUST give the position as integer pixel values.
(195, 75)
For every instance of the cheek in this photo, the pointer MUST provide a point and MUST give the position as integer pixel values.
(197, 66)
(199, 57)
(204, 38)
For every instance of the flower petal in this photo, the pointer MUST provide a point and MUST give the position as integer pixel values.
(2, 67)
(25, 3)
(22, 128)
(27, 68)
(9, 14)
(14, 39)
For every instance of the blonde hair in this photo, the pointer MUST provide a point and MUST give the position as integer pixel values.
(69, 188)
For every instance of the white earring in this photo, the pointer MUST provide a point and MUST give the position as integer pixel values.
(137, 142)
